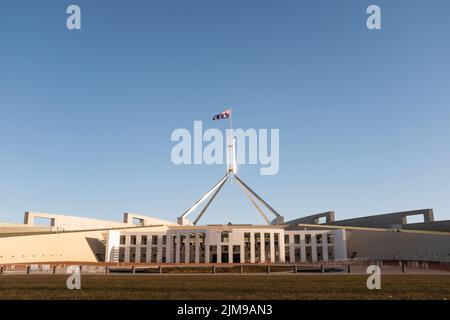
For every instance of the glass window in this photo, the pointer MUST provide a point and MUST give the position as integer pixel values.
(308, 239)
(330, 238)
(224, 236)
(319, 238)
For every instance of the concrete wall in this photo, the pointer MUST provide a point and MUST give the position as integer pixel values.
(8, 228)
(391, 245)
(76, 246)
(443, 225)
(390, 220)
(145, 220)
(67, 223)
(315, 218)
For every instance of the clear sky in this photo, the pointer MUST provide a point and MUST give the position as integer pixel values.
(86, 116)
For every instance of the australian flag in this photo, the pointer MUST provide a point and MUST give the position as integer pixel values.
(223, 115)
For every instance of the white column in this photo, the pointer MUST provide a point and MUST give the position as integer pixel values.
(149, 252)
(324, 247)
(313, 248)
(112, 246)
(219, 253)
(252, 247)
(127, 248)
(169, 245)
(272, 247)
(159, 249)
(263, 249)
(302, 247)
(187, 247)
(197, 247)
(230, 253)
(291, 248)
(340, 244)
(138, 248)
(207, 253)
(177, 249)
(242, 252)
(282, 248)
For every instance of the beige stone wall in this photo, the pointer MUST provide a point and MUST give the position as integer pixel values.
(77, 246)
(66, 223)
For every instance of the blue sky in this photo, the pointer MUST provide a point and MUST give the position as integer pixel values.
(86, 116)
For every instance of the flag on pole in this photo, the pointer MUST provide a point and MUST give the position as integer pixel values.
(223, 115)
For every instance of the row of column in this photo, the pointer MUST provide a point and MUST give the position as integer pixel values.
(174, 257)
(292, 246)
(150, 248)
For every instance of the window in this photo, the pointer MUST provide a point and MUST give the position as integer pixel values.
(132, 254)
(286, 239)
(224, 236)
(144, 240)
(297, 239)
(225, 256)
(319, 238)
(308, 239)
(133, 240)
(267, 238)
(164, 240)
(122, 240)
(330, 238)
(44, 222)
(122, 255)
(212, 254)
(154, 240)
(137, 222)
(182, 248)
(143, 254)
(322, 220)
(287, 257)
(236, 254)
(417, 218)
(298, 255)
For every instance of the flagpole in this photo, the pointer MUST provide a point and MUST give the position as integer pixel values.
(230, 142)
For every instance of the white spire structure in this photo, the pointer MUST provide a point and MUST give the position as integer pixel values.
(231, 172)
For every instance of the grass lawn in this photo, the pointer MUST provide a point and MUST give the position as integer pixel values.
(231, 287)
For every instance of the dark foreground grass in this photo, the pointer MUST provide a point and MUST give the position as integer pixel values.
(231, 287)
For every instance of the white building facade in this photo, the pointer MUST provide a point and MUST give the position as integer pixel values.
(225, 244)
